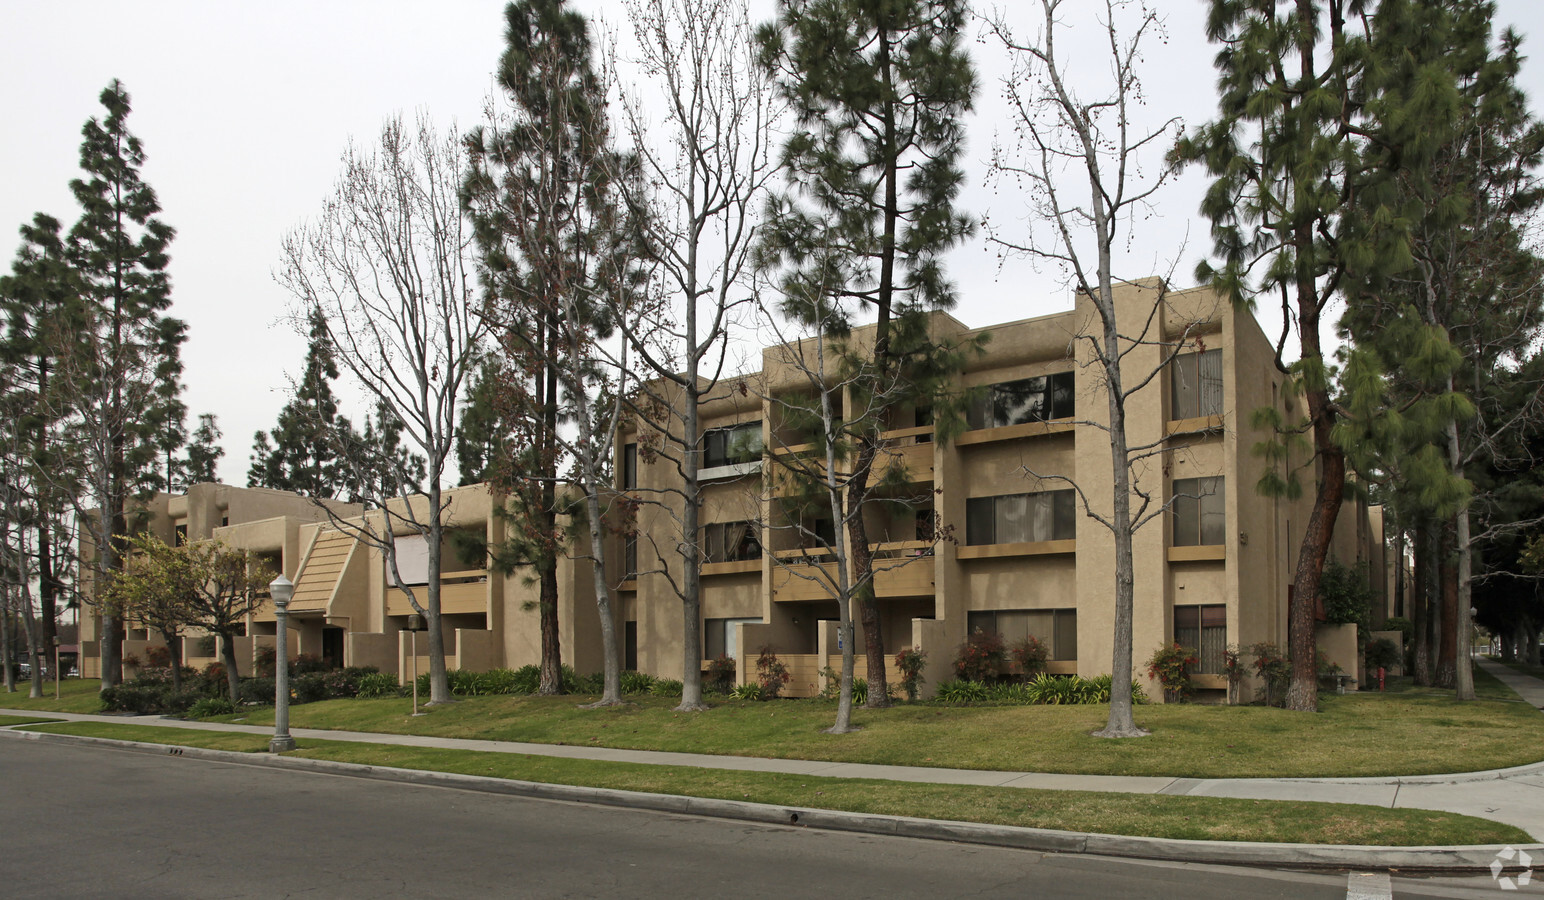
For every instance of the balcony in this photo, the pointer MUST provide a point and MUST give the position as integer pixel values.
(1014, 432)
(901, 569)
(460, 592)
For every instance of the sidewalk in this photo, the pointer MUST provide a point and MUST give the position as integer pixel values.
(1513, 796)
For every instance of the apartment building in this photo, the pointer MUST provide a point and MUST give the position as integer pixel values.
(986, 531)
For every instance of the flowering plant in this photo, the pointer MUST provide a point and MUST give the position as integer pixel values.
(981, 657)
(1170, 666)
(911, 662)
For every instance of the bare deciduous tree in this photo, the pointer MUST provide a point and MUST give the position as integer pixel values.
(387, 265)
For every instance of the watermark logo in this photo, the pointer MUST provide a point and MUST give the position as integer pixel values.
(1506, 859)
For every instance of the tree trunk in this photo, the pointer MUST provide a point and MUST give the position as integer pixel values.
(1447, 576)
(1530, 631)
(232, 676)
(48, 587)
(174, 653)
(1509, 643)
(863, 582)
(1434, 570)
(1399, 573)
(439, 681)
(611, 692)
(691, 551)
(1419, 607)
(7, 647)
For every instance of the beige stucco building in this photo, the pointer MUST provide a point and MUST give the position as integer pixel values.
(986, 530)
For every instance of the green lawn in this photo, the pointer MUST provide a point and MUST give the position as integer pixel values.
(23, 720)
(76, 695)
(1411, 731)
(1190, 818)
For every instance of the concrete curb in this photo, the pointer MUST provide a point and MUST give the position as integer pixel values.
(1459, 859)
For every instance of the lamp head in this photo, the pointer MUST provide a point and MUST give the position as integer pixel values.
(281, 589)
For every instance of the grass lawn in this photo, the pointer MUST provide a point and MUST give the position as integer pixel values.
(76, 695)
(1408, 731)
(23, 720)
(1523, 668)
(1191, 818)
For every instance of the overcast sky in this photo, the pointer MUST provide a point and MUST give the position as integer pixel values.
(244, 109)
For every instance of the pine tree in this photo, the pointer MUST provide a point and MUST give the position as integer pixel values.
(878, 89)
(478, 442)
(204, 451)
(300, 453)
(40, 303)
(1284, 161)
(539, 194)
(123, 381)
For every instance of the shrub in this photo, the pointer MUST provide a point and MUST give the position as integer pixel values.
(1382, 654)
(306, 663)
(160, 657)
(911, 661)
(961, 691)
(495, 681)
(130, 659)
(308, 688)
(1170, 666)
(1030, 655)
(637, 683)
(1273, 666)
(342, 684)
(859, 691)
(593, 683)
(980, 658)
(720, 676)
(771, 673)
(1347, 595)
(264, 662)
(210, 706)
(1053, 690)
(378, 684)
(259, 691)
(148, 699)
(214, 673)
(747, 692)
(666, 687)
(527, 679)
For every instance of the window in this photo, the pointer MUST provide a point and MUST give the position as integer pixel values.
(629, 467)
(1205, 630)
(730, 542)
(1200, 518)
(718, 637)
(731, 446)
(1021, 518)
(1037, 399)
(630, 556)
(1056, 628)
(1195, 381)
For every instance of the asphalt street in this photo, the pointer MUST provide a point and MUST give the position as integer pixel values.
(102, 823)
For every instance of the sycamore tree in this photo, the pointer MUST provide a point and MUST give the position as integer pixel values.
(877, 90)
(117, 381)
(706, 163)
(385, 273)
(1077, 154)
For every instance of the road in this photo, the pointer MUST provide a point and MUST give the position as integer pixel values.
(85, 823)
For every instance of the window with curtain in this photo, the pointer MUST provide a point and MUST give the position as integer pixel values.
(1205, 630)
(1056, 628)
(1021, 518)
(1038, 399)
(730, 542)
(1199, 512)
(731, 446)
(1195, 384)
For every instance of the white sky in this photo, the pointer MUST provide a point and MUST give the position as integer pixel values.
(244, 109)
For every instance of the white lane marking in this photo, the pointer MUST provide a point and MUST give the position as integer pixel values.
(1369, 886)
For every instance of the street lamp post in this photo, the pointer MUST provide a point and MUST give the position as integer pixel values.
(281, 589)
(415, 624)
